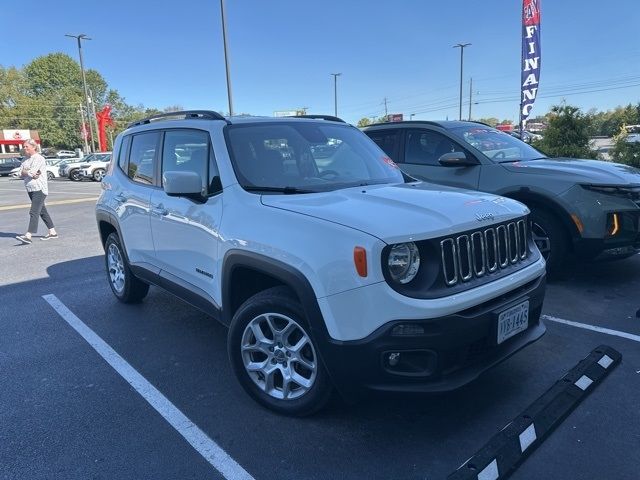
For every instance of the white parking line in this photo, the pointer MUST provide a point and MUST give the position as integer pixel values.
(608, 331)
(199, 440)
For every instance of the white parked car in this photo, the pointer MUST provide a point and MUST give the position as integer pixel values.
(96, 169)
(71, 169)
(66, 154)
(335, 271)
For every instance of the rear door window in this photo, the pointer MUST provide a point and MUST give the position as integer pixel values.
(388, 141)
(142, 159)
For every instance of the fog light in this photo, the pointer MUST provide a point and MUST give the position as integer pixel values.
(416, 363)
(393, 359)
(407, 330)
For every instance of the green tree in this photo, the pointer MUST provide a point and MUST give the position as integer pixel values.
(492, 121)
(53, 95)
(567, 134)
(48, 94)
(624, 151)
(363, 122)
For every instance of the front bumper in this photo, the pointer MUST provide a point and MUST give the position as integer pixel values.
(595, 210)
(453, 350)
(624, 243)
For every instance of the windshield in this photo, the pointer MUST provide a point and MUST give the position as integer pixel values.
(305, 157)
(497, 145)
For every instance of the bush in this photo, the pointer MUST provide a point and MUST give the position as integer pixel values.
(567, 134)
(625, 152)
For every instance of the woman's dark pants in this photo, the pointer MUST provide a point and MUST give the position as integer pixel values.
(38, 210)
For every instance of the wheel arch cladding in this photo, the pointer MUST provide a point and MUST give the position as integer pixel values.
(535, 200)
(246, 273)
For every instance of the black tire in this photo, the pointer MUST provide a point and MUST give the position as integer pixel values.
(277, 307)
(98, 173)
(50, 176)
(124, 284)
(75, 175)
(551, 238)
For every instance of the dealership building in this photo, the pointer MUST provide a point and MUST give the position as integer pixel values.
(11, 141)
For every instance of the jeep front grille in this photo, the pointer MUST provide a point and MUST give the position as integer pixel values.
(482, 252)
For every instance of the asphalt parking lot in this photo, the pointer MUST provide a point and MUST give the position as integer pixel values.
(68, 413)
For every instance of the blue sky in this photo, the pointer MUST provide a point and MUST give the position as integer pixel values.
(282, 52)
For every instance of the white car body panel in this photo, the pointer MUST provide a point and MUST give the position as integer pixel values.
(135, 223)
(354, 314)
(186, 237)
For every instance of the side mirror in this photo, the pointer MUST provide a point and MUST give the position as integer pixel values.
(456, 159)
(183, 184)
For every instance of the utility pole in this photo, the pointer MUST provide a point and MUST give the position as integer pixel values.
(461, 47)
(226, 57)
(79, 38)
(95, 117)
(83, 130)
(386, 110)
(335, 93)
(470, 96)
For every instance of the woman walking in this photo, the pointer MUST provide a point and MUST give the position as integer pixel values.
(34, 173)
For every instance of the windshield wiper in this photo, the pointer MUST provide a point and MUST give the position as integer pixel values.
(514, 160)
(285, 190)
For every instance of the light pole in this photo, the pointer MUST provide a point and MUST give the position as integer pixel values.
(79, 38)
(461, 47)
(335, 93)
(470, 96)
(226, 57)
(411, 116)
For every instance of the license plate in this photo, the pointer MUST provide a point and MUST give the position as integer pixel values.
(513, 321)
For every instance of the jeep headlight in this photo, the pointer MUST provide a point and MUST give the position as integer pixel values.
(403, 262)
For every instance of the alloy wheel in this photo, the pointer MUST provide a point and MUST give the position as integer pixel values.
(279, 356)
(115, 267)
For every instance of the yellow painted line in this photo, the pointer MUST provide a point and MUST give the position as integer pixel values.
(48, 204)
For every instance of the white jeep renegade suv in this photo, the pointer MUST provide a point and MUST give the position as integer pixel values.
(331, 268)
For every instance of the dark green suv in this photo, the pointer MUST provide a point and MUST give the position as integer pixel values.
(588, 208)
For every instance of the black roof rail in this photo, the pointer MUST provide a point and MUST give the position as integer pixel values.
(424, 122)
(331, 118)
(197, 114)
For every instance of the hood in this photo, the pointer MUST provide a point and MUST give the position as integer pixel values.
(402, 212)
(580, 171)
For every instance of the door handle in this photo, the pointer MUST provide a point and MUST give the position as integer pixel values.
(159, 210)
(120, 198)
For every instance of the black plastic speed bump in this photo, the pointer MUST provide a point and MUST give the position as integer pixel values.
(507, 449)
